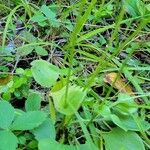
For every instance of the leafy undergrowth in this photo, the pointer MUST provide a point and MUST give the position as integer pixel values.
(74, 75)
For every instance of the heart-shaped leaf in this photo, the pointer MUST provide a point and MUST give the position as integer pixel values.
(68, 106)
(44, 72)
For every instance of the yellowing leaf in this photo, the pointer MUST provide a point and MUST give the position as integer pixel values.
(117, 82)
(5, 80)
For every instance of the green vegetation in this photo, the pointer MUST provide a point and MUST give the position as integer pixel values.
(74, 74)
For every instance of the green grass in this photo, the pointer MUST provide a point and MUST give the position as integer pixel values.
(57, 61)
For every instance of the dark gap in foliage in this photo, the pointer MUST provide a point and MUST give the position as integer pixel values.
(18, 103)
(44, 103)
(98, 90)
(143, 57)
(112, 93)
(24, 63)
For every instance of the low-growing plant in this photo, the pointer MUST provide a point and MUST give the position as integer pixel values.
(74, 75)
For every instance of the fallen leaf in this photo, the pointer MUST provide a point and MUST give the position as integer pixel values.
(117, 82)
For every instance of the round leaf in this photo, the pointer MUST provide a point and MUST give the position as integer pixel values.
(44, 73)
(74, 99)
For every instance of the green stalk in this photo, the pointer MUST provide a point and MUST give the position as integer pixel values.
(73, 38)
(7, 24)
(102, 63)
(100, 30)
(117, 27)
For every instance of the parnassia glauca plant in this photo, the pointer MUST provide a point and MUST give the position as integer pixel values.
(74, 75)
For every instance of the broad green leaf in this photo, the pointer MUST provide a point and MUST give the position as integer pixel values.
(104, 110)
(20, 70)
(8, 141)
(33, 101)
(87, 147)
(19, 81)
(132, 124)
(118, 139)
(7, 114)
(51, 16)
(128, 123)
(7, 96)
(38, 17)
(44, 72)
(23, 51)
(47, 12)
(52, 144)
(28, 120)
(41, 51)
(125, 104)
(42, 24)
(74, 99)
(118, 122)
(45, 130)
(28, 37)
(18, 112)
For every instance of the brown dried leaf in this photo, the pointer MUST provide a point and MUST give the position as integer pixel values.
(119, 84)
